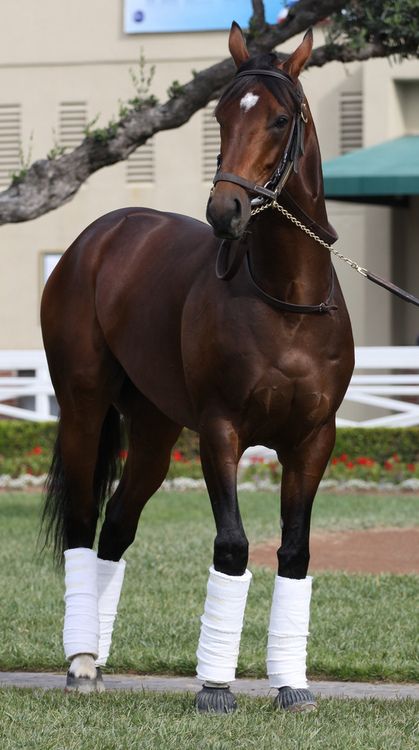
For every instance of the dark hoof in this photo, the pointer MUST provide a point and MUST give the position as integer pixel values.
(215, 701)
(100, 685)
(84, 684)
(295, 699)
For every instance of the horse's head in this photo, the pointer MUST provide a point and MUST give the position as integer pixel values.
(261, 116)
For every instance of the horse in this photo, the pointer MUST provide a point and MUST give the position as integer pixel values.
(149, 320)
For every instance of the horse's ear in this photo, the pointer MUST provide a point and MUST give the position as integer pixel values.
(237, 45)
(294, 64)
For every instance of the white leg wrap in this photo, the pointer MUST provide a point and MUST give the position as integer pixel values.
(110, 577)
(81, 621)
(221, 626)
(288, 632)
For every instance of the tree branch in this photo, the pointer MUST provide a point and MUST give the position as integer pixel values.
(50, 183)
(346, 54)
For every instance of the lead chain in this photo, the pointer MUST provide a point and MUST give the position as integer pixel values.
(306, 230)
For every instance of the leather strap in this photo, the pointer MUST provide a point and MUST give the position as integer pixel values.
(328, 235)
(223, 270)
(323, 307)
(252, 187)
(406, 296)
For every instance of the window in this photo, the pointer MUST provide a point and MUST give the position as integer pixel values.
(49, 261)
(350, 121)
(210, 142)
(10, 142)
(140, 166)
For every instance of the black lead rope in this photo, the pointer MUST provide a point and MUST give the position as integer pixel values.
(393, 288)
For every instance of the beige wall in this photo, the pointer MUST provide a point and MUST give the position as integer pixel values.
(56, 51)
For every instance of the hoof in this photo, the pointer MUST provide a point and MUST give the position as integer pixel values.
(295, 699)
(84, 684)
(100, 685)
(215, 701)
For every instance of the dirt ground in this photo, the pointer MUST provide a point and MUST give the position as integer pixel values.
(365, 551)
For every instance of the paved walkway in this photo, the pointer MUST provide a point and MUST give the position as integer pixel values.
(163, 684)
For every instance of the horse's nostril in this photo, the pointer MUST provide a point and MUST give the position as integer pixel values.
(238, 207)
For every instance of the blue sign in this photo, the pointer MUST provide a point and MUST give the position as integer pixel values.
(156, 16)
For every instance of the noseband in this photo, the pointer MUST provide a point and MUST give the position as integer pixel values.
(293, 150)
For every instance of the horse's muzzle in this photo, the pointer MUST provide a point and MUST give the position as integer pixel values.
(228, 215)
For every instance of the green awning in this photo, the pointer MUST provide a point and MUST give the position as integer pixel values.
(389, 169)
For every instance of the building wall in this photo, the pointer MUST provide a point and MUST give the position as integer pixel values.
(55, 52)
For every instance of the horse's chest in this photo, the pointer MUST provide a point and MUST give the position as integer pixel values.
(283, 404)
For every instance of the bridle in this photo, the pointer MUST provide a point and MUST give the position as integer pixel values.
(267, 197)
(226, 267)
(293, 149)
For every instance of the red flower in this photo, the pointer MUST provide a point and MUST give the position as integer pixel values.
(344, 458)
(123, 454)
(349, 464)
(335, 461)
(177, 456)
(388, 465)
(410, 467)
(35, 451)
(364, 461)
(396, 457)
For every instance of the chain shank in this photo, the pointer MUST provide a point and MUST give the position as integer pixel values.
(288, 215)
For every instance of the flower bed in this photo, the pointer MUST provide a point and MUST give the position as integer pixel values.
(344, 472)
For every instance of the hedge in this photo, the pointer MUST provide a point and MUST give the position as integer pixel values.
(18, 438)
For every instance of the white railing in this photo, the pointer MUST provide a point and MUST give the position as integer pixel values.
(395, 394)
(13, 387)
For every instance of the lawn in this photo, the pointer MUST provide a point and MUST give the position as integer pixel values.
(32, 720)
(362, 627)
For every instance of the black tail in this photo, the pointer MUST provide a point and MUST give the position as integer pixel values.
(54, 515)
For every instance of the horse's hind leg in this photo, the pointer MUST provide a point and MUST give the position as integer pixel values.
(87, 444)
(288, 628)
(151, 438)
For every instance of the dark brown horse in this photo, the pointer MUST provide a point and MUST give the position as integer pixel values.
(137, 323)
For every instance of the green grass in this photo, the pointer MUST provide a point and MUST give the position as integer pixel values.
(128, 721)
(362, 627)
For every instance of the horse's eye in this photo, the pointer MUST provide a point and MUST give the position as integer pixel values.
(281, 121)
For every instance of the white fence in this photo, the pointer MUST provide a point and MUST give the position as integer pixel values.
(25, 387)
(386, 379)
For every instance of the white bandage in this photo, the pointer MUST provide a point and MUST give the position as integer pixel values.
(221, 626)
(110, 577)
(81, 621)
(288, 632)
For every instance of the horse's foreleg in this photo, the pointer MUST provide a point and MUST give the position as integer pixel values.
(229, 580)
(290, 612)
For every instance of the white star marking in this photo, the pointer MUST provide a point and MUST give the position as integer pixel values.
(249, 100)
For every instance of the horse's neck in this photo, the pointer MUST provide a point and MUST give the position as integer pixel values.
(289, 263)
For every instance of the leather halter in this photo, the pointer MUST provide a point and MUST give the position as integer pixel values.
(292, 152)
(225, 268)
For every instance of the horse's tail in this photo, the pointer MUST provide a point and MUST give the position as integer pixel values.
(57, 493)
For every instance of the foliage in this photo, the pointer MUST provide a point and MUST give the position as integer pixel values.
(373, 454)
(391, 23)
(18, 437)
(25, 160)
(379, 443)
(142, 79)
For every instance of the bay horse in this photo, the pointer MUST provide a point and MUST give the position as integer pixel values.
(138, 325)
